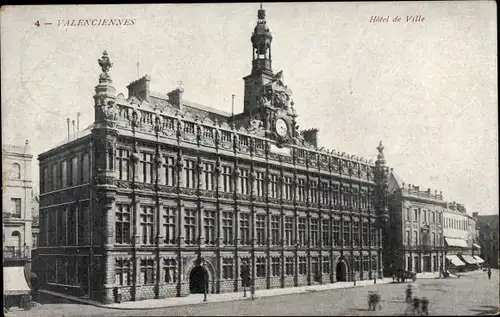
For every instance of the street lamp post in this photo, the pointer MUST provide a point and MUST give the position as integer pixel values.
(205, 281)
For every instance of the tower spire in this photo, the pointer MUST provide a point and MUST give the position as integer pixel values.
(261, 43)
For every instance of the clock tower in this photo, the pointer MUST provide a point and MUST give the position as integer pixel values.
(267, 99)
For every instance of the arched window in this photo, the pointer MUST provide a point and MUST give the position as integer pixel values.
(16, 171)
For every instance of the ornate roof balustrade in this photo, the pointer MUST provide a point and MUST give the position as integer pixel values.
(171, 123)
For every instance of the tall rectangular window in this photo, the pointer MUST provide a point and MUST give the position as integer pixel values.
(83, 235)
(61, 226)
(326, 265)
(433, 239)
(52, 224)
(287, 184)
(44, 180)
(336, 195)
(64, 174)
(227, 185)
(336, 232)
(122, 224)
(170, 268)
(147, 168)
(123, 272)
(147, 221)
(260, 226)
(301, 231)
(275, 230)
(347, 233)
(189, 174)
(16, 207)
(289, 266)
(227, 227)
(244, 182)
(325, 232)
(85, 168)
(147, 272)
(169, 171)
(273, 183)
(301, 190)
(275, 266)
(366, 263)
(313, 191)
(415, 214)
(72, 226)
(245, 228)
(209, 226)
(74, 171)
(373, 233)
(55, 178)
(324, 193)
(356, 264)
(259, 184)
(208, 176)
(415, 237)
(365, 233)
(314, 232)
(355, 233)
(355, 198)
(302, 265)
(122, 166)
(288, 231)
(345, 196)
(408, 237)
(227, 268)
(261, 267)
(190, 226)
(169, 224)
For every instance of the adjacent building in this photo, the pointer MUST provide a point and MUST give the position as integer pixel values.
(16, 219)
(460, 238)
(413, 240)
(161, 196)
(488, 238)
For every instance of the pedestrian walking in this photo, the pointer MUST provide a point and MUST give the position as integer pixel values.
(489, 273)
(409, 293)
(424, 304)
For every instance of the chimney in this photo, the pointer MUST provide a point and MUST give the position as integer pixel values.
(139, 88)
(77, 122)
(311, 136)
(68, 129)
(175, 97)
(74, 130)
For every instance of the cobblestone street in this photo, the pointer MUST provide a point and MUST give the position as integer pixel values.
(472, 294)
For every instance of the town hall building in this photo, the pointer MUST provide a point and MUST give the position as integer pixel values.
(161, 197)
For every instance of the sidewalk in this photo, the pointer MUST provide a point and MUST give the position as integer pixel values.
(214, 298)
(428, 275)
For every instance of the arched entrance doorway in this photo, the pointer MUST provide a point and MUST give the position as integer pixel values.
(198, 280)
(341, 272)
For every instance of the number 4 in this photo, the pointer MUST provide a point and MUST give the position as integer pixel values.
(37, 23)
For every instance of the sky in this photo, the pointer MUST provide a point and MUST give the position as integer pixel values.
(427, 89)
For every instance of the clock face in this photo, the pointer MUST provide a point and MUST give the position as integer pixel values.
(281, 127)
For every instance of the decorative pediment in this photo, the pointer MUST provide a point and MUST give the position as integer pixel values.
(207, 121)
(188, 115)
(134, 101)
(146, 105)
(120, 97)
(225, 125)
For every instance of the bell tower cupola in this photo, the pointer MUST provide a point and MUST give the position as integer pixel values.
(261, 44)
(262, 72)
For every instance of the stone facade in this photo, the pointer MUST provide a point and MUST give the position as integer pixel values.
(488, 239)
(414, 241)
(17, 198)
(158, 200)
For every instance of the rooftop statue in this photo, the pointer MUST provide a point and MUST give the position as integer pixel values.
(276, 93)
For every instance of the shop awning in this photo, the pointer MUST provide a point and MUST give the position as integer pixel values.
(455, 260)
(469, 259)
(452, 242)
(14, 282)
(478, 259)
(476, 246)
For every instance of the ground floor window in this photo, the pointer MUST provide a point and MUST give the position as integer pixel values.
(289, 266)
(326, 265)
(147, 272)
(275, 266)
(302, 265)
(170, 268)
(261, 267)
(227, 268)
